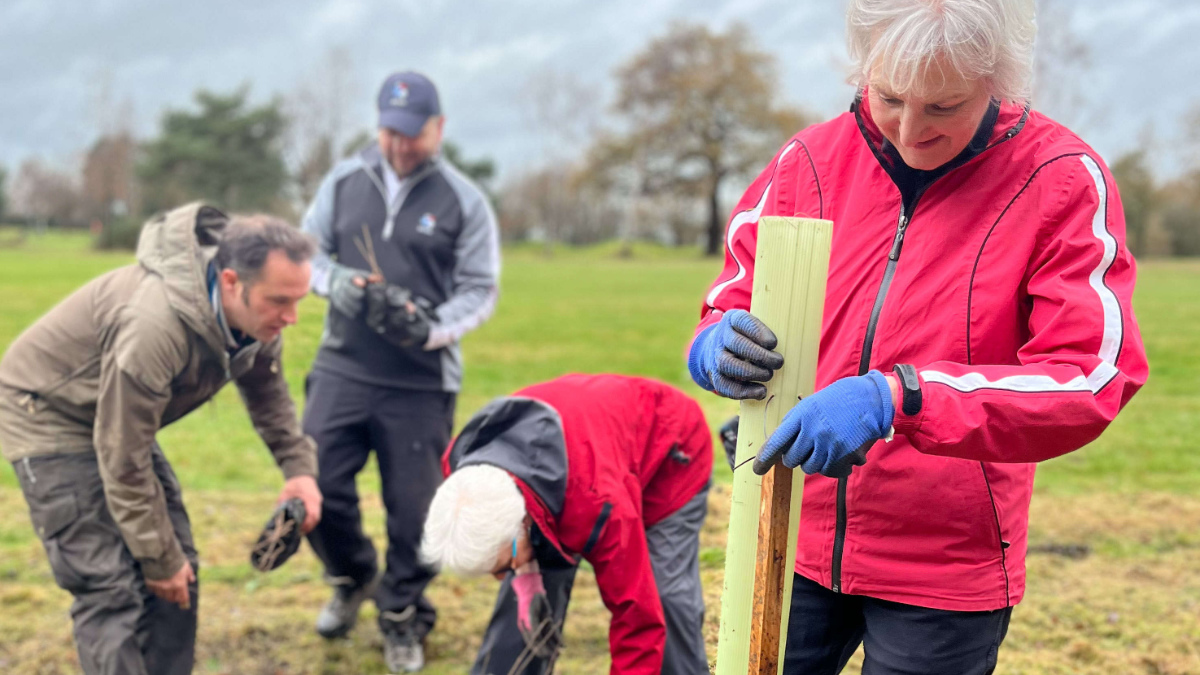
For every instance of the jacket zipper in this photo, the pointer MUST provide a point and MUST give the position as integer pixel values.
(839, 536)
(401, 197)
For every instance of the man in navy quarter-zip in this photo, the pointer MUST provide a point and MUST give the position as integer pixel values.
(409, 261)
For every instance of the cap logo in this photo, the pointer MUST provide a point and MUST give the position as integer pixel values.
(426, 224)
(399, 95)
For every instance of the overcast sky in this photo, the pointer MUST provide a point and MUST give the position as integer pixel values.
(60, 59)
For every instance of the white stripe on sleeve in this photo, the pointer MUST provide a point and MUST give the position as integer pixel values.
(969, 382)
(1110, 344)
(1112, 330)
(736, 224)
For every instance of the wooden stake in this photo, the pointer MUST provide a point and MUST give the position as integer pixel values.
(790, 271)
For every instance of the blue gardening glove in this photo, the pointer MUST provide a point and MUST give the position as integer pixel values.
(830, 432)
(732, 357)
(346, 296)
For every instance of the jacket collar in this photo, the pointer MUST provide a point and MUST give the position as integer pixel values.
(1001, 122)
(372, 159)
(234, 339)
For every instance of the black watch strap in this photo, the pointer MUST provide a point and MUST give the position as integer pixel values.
(910, 388)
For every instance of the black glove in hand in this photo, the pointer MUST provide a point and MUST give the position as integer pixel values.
(397, 315)
(542, 637)
(281, 536)
(728, 434)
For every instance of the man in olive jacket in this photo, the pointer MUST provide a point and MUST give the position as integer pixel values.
(86, 388)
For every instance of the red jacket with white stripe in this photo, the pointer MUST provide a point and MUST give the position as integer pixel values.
(599, 459)
(1005, 280)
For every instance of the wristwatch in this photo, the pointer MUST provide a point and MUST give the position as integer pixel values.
(910, 388)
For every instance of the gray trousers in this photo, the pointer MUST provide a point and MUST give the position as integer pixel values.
(120, 627)
(674, 545)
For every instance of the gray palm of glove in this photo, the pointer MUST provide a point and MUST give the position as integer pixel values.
(345, 295)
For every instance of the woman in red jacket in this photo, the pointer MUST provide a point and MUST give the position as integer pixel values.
(977, 307)
(609, 469)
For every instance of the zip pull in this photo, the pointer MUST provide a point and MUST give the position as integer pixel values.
(899, 240)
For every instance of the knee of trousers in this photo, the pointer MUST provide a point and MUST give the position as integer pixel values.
(111, 607)
(682, 598)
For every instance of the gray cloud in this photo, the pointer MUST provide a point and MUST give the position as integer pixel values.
(56, 57)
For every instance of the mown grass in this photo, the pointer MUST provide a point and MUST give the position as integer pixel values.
(1130, 604)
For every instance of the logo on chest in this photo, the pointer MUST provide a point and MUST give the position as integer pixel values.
(426, 224)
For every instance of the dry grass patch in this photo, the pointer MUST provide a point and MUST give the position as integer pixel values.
(1127, 602)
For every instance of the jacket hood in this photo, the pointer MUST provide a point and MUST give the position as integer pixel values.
(177, 247)
(524, 437)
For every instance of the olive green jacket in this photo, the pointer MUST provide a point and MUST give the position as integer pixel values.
(129, 353)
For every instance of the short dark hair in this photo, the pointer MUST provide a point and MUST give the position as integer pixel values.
(247, 240)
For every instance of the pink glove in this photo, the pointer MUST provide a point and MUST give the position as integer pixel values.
(535, 617)
(527, 587)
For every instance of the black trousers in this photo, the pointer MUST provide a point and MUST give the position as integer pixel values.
(120, 627)
(408, 430)
(825, 629)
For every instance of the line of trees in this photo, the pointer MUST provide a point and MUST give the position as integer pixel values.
(1162, 218)
(696, 113)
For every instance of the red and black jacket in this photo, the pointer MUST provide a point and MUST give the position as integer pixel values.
(1005, 280)
(599, 458)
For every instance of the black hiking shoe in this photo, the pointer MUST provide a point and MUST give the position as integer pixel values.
(339, 615)
(403, 649)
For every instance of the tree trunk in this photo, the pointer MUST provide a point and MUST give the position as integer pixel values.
(715, 230)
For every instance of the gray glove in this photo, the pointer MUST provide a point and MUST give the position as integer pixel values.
(344, 295)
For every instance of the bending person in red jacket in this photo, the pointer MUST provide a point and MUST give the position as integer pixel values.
(977, 307)
(610, 469)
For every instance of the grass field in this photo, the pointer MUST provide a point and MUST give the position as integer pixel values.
(1126, 599)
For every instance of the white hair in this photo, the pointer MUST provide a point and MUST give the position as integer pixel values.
(990, 40)
(475, 513)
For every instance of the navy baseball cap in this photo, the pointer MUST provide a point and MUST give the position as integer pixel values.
(406, 101)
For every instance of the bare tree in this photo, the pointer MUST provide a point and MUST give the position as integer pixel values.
(698, 108)
(49, 196)
(1180, 198)
(1062, 62)
(563, 111)
(109, 185)
(552, 205)
(319, 114)
(3, 193)
(1189, 146)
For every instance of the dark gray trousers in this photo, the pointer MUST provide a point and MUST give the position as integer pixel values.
(121, 628)
(408, 430)
(674, 545)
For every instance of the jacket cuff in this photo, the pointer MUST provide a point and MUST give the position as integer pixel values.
(695, 358)
(301, 462)
(166, 566)
(906, 424)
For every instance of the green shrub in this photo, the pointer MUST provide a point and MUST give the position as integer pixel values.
(119, 233)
